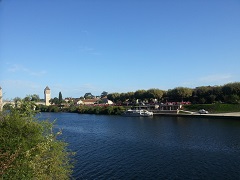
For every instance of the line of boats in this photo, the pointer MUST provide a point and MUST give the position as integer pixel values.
(137, 113)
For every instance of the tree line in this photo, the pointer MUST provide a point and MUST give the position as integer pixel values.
(228, 93)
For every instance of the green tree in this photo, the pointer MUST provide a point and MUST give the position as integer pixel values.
(35, 98)
(123, 97)
(53, 108)
(60, 99)
(212, 98)
(154, 94)
(217, 91)
(54, 101)
(29, 147)
(130, 96)
(180, 93)
(16, 101)
(231, 88)
(202, 100)
(104, 93)
(7, 106)
(88, 95)
(232, 99)
(113, 97)
(202, 93)
(140, 94)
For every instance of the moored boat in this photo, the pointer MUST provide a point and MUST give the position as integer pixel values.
(137, 113)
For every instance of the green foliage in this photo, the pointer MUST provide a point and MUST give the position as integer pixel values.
(42, 108)
(232, 99)
(214, 108)
(7, 106)
(114, 97)
(104, 93)
(88, 96)
(179, 94)
(228, 93)
(60, 98)
(54, 101)
(29, 149)
(33, 97)
(202, 100)
(109, 110)
(71, 108)
(154, 94)
(53, 108)
(231, 88)
(140, 94)
(16, 100)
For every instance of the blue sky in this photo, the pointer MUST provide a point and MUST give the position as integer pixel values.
(81, 46)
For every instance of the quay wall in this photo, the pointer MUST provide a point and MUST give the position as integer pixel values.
(213, 116)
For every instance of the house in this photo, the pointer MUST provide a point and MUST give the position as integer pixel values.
(80, 101)
(107, 101)
(87, 101)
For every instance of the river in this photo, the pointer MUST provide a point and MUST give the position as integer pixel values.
(116, 147)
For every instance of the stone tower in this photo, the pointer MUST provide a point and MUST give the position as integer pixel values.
(1, 101)
(47, 95)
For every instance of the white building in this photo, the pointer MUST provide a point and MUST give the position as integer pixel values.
(47, 96)
(87, 101)
(107, 101)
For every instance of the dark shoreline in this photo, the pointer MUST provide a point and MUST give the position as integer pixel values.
(199, 115)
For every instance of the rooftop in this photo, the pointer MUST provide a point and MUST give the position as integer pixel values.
(47, 88)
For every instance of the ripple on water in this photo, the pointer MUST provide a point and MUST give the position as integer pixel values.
(112, 147)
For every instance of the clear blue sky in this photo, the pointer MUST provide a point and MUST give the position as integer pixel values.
(79, 46)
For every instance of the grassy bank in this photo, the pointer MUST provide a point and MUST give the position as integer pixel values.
(214, 108)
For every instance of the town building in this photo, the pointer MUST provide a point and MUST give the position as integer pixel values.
(87, 101)
(47, 96)
(107, 101)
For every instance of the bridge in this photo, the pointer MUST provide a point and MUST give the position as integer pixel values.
(6, 102)
(13, 104)
(2, 102)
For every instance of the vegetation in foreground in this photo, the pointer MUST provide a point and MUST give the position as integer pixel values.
(29, 149)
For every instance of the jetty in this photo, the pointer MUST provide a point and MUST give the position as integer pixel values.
(162, 108)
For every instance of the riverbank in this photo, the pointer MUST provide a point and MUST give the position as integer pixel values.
(191, 110)
(216, 108)
(233, 115)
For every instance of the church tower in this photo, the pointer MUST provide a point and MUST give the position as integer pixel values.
(47, 95)
(1, 102)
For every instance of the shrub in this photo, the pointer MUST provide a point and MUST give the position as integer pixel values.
(29, 149)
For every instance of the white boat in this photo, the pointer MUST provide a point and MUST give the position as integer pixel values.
(137, 113)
